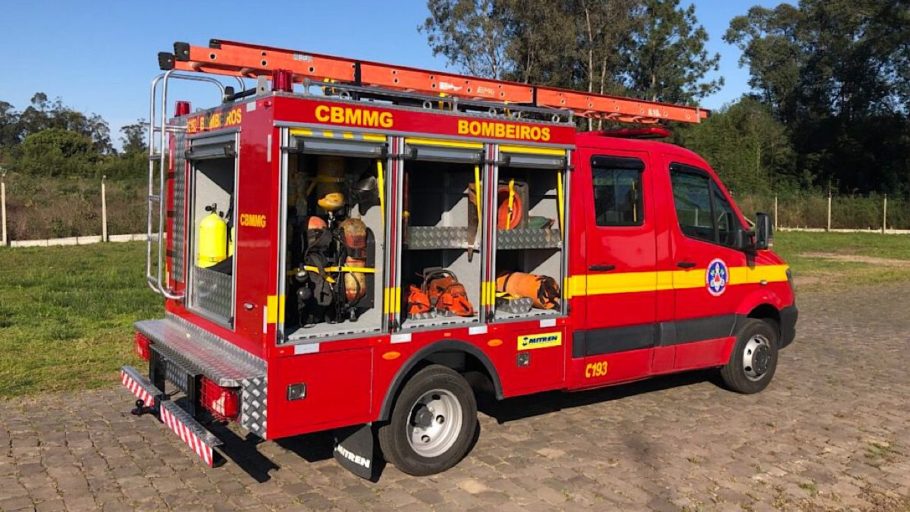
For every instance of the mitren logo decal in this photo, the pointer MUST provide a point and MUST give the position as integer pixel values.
(253, 220)
(717, 277)
(354, 116)
(547, 339)
(353, 457)
(503, 130)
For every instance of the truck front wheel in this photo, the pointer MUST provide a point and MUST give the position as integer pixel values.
(432, 424)
(754, 358)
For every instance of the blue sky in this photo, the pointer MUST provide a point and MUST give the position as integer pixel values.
(99, 56)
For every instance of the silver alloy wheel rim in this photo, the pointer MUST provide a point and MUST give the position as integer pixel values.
(756, 357)
(434, 423)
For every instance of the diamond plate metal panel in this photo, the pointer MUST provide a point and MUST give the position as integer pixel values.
(211, 292)
(442, 237)
(528, 238)
(253, 405)
(179, 204)
(198, 351)
(175, 374)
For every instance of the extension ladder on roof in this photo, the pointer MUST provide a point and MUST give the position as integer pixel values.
(248, 60)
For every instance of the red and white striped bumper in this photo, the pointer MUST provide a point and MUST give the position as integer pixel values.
(181, 422)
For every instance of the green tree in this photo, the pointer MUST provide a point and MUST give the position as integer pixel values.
(43, 114)
(133, 137)
(667, 60)
(837, 73)
(56, 152)
(469, 33)
(9, 125)
(594, 45)
(747, 146)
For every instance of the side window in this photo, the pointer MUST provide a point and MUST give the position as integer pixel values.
(702, 210)
(618, 197)
(725, 218)
(692, 196)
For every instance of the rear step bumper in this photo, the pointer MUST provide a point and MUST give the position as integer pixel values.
(179, 421)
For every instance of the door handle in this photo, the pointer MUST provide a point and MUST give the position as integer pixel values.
(686, 264)
(602, 268)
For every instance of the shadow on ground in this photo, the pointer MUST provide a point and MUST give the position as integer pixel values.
(319, 446)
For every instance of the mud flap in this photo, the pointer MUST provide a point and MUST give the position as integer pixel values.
(355, 450)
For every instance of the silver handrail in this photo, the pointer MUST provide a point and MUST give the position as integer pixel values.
(155, 281)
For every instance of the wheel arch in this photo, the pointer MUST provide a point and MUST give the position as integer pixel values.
(766, 312)
(436, 353)
(761, 311)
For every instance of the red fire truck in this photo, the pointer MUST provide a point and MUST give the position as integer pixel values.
(358, 247)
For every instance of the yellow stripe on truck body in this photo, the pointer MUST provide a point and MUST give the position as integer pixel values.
(636, 282)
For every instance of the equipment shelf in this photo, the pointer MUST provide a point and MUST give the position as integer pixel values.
(528, 238)
(437, 237)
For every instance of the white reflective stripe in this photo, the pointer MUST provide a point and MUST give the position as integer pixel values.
(187, 435)
(549, 322)
(197, 445)
(400, 338)
(137, 390)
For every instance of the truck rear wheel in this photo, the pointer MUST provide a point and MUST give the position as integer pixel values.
(754, 358)
(432, 424)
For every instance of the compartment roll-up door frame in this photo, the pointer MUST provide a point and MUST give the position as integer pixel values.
(213, 146)
(439, 150)
(356, 148)
(532, 157)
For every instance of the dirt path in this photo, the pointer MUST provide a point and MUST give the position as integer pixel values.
(854, 258)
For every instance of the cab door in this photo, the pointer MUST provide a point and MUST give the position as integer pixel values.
(620, 282)
(703, 252)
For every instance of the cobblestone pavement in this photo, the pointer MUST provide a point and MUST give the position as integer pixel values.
(831, 432)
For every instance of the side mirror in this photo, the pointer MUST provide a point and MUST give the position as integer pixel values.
(764, 237)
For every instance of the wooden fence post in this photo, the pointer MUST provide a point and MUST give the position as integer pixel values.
(885, 215)
(5, 240)
(775, 213)
(829, 212)
(103, 210)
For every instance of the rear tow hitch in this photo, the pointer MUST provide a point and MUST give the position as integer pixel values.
(141, 409)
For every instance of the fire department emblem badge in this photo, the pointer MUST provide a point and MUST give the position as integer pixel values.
(717, 277)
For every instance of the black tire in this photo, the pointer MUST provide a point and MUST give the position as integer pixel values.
(394, 435)
(754, 358)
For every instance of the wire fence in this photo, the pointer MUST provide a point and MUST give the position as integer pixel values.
(817, 212)
(60, 211)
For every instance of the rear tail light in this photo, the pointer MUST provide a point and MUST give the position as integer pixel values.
(142, 347)
(222, 402)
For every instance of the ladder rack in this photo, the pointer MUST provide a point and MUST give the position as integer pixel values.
(245, 60)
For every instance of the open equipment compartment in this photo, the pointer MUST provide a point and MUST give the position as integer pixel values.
(530, 232)
(441, 233)
(212, 213)
(334, 235)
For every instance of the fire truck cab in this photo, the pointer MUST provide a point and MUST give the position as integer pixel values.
(346, 255)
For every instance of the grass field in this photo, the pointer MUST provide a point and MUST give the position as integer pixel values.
(844, 259)
(66, 313)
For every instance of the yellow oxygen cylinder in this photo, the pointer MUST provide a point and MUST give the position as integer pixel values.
(212, 240)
